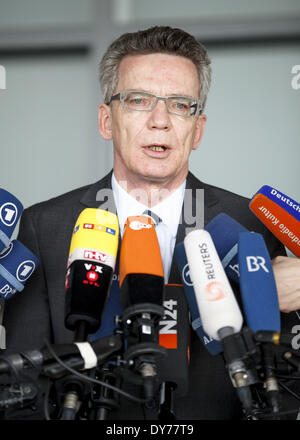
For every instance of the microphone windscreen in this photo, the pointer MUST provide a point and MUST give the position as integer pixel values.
(95, 237)
(287, 203)
(141, 267)
(17, 264)
(224, 231)
(10, 211)
(257, 284)
(214, 347)
(216, 301)
(90, 267)
(174, 336)
(281, 218)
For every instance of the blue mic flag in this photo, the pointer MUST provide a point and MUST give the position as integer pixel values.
(10, 211)
(257, 283)
(224, 231)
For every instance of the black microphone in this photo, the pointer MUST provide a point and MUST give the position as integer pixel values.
(78, 356)
(174, 336)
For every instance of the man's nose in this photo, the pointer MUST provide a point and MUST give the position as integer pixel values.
(159, 116)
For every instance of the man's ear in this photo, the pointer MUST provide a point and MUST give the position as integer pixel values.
(199, 131)
(105, 121)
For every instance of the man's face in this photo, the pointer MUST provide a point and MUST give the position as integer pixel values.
(137, 135)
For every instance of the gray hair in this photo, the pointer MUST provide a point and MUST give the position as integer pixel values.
(157, 39)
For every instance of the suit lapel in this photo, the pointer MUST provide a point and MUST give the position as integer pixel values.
(97, 195)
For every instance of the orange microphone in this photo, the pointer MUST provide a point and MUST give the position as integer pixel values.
(141, 294)
(280, 214)
(141, 268)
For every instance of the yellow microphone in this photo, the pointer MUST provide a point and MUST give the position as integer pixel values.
(90, 267)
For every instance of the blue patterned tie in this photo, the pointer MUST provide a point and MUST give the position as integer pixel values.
(154, 216)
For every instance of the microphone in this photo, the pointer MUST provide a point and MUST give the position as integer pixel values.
(257, 283)
(213, 346)
(219, 311)
(79, 356)
(10, 211)
(174, 336)
(17, 264)
(214, 294)
(260, 301)
(90, 269)
(280, 214)
(141, 294)
(224, 231)
(141, 267)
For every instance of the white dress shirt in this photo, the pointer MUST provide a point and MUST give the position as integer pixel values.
(169, 210)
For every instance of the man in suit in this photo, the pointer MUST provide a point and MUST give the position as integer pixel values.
(154, 84)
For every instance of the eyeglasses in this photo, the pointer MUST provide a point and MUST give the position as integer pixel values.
(143, 101)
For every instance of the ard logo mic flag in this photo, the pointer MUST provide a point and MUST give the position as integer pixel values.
(10, 211)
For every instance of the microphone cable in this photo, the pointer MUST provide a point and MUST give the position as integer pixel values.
(90, 379)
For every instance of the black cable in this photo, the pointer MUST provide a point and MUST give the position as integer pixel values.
(282, 376)
(289, 391)
(281, 413)
(90, 379)
(46, 399)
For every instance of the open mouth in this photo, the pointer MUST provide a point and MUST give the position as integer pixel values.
(156, 147)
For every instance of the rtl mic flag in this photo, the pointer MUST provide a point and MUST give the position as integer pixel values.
(280, 214)
(141, 268)
(10, 211)
(17, 264)
(257, 284)
(90, 267)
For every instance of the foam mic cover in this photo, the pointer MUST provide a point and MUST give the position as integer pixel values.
(257, 284)
(174, 336)
(280, 214)
(216, 301)
(214, 347)
(10, 211)
(90, 267)
(224, 231)
(141, 268)
(17, 264)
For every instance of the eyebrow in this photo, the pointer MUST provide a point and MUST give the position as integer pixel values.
(152, 93)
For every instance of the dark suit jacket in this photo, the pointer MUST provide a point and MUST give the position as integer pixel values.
(38, 312)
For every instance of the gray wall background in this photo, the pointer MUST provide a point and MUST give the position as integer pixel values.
(48, 111)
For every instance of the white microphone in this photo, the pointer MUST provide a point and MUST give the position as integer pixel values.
(219, 311)
(217, 305)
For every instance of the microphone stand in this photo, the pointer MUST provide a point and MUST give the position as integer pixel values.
(140, 326)
(166, 408)
(73, 386)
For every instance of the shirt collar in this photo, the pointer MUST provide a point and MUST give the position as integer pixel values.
(169, 210)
